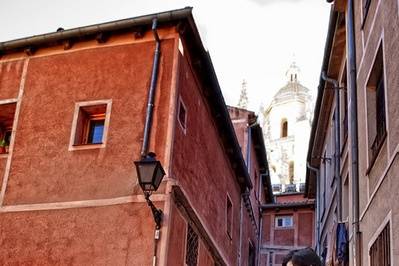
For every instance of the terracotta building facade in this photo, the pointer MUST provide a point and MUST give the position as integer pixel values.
(72, 114)
(353, 149)
(287, 224)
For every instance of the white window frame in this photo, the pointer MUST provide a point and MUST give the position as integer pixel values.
(284, 224)
(72, 146)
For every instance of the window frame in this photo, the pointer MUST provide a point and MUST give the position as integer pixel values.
(190, 231)
(276, 218)
(229, 217)
(183, 125)
(284, 128)
(382, 237)
(84, 146)
(376, 137)
(7, 130)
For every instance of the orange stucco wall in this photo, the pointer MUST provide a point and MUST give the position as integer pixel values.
(84, 236)
(45, 174)
(10, 76)
(43, 169)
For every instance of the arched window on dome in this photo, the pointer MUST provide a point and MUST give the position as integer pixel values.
(284, 128)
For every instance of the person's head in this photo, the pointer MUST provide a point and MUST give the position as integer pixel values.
(302, 257)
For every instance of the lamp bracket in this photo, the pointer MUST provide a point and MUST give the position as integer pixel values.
(156, 213)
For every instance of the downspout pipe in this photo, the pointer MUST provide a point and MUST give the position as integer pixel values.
(317, 172)
(337, 142)
(353, 128)
(151, 93)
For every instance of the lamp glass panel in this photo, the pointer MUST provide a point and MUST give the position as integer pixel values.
(158, 175)
(146, 172)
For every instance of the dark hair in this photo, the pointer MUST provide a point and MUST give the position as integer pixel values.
(302, 257)
(288, 257)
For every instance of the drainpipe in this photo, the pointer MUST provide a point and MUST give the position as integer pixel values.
(249, 150)
(353, 129)
(151, 93)
(260, 220)
(148, 118)
(315, 170)
(337, 142)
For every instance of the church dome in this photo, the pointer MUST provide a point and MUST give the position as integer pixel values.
(293, 89)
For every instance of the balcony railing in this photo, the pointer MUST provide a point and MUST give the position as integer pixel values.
(289, 188)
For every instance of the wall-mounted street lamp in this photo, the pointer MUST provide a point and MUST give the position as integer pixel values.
(150, 174)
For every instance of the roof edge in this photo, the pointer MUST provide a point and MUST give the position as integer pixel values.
(326, 60)
(38, 40)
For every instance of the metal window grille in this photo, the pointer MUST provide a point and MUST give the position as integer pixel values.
(380, 251)
(191, 247)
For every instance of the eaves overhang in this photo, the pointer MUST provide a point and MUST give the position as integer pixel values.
(310, 180)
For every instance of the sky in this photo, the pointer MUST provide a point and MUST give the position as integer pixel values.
(255, 40)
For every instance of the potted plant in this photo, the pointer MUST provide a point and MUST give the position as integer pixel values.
(3, 145)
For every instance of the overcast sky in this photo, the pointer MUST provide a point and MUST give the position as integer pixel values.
(255, 40)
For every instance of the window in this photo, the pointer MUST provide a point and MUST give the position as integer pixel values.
(291, 172)
(191, 247)
(380, 251)
(376, 121)
(284, 128)
(91, 120)
(344, 101)
(229, 217)
(345, 122)
(251, 254)
(366, 7)
(323, 182)
(7, 113)
(284, 221)
(182, 115)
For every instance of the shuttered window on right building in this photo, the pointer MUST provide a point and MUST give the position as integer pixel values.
(376, 111)
(380, 251)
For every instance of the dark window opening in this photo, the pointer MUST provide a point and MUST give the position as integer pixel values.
(380, 116)
(229, 218)
(366, 7)
(7, 113)
(182, 115)
(284, 129)
(376, 120)
(345, 107)
(380, 251)
(251, 255)
(191, 247)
